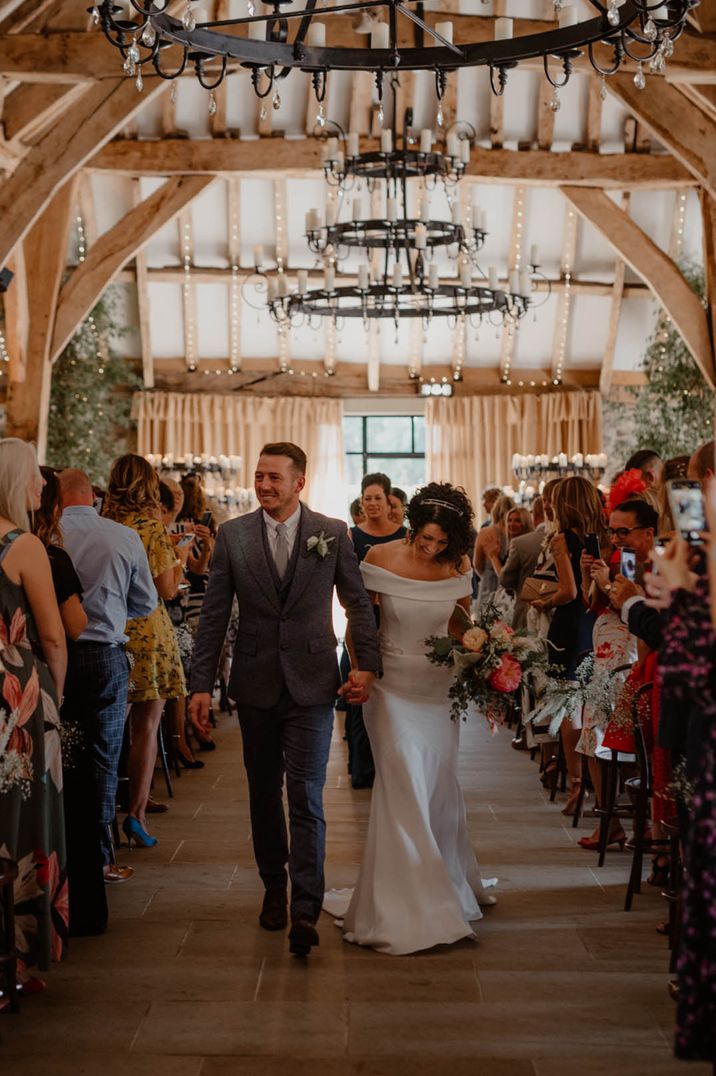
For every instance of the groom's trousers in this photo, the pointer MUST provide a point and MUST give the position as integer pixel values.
(295, 741)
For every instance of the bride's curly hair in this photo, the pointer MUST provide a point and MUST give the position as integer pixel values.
(447, 506)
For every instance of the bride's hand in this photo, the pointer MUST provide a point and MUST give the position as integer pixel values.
(356, 689)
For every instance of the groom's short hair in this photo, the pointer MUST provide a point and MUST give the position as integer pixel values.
(285, 448)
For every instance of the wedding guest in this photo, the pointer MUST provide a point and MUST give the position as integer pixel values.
(157, 673)
(651, 466)
(538, 516)
(521, 562)
(677, 467)
(356, 512)
(378, 528)
(398, 499)
(33, 661)
(489, 497)
(701, 464)
(117, 586)
(68, 588)
(491, 549)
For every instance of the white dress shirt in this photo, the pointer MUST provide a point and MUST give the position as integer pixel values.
(291, 525)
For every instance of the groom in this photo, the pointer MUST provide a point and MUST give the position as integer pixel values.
(282, 563)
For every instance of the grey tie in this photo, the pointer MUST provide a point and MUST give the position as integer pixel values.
(281, 554)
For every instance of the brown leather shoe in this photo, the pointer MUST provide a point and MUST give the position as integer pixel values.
(274, 912)
(114, 873)
(302, 937)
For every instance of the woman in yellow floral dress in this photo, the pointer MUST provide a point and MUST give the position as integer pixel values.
(156, 674)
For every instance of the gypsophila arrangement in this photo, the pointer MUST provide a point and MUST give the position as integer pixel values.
(72, 742)
(490, 663)
(594, 685)
(319, 544)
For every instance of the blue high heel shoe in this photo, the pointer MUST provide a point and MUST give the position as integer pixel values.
(135, 831)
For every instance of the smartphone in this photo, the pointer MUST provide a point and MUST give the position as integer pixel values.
(686, 501)
(206, 519)
(591, 546)
(660, 545)
(186, 540)
(627, 564)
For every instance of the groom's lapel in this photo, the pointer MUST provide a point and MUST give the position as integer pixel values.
(252, 543)
(306, 561)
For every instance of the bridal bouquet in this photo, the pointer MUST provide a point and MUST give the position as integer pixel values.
(490, 662)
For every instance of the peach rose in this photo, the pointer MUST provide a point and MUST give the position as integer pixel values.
(474, 639)
(501, 633)
(507, 676)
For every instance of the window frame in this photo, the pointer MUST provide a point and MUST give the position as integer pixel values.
(365, 453)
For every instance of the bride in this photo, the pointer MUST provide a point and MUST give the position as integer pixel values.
(419, 884)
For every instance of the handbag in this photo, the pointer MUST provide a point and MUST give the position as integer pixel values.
(539, 586)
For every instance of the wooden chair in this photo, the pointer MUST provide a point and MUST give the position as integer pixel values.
(8, 953)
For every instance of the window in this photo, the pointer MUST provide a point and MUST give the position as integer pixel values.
(393, 444)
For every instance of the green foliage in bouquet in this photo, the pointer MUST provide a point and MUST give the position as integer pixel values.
(90, 401)
(489, 663)
(673, 412)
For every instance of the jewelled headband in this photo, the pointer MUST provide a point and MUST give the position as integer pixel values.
(444, 504)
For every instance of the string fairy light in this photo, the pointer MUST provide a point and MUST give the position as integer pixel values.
(188, 296)
(235, 286)
(508, 339)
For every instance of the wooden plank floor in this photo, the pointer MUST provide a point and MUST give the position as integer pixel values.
(560, 982)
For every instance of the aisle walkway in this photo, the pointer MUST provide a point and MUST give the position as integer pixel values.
(561, 982)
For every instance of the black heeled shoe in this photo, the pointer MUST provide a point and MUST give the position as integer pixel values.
(189, 763)
(207, 745)
(659, 876)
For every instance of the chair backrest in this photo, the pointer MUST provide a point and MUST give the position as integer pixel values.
(642, 755)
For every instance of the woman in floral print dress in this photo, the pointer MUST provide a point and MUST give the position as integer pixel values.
(33, 659)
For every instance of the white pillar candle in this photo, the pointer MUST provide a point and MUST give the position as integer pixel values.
(425, 208)
(302, 281)
(452, 145)
(515, 461)
(503, 29)
(514, 282)
(544, 460)
(445, 29)
(272, 289)
(426, 140)
(534, 254)
(433, 276)
(530, 461)
(258, 256)
(476, 218)
(363, 276)
(465, 150)
(525, 283)
(380, 36)
(386, 141)
(282, 285)
(392, 209)
(661, 13)
(331, 148)
(397, 274)
(456, 212)
(353, 145)
(421, 237)
(492, 278)
(562, 460)
(357, 206)
(568, 16)
(316, 36)
(578, 460)
(466, 274)
(329, 278)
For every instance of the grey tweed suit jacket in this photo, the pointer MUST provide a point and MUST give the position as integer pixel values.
(285, 637)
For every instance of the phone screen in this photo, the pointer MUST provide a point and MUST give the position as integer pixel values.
(686, 501)
(186, 540)
(591, 546)
(660, 545)
(627, 564)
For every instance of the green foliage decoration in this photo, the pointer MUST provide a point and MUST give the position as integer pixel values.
(90, 400)
(674, 412)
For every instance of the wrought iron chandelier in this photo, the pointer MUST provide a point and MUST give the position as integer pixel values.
(272, 44)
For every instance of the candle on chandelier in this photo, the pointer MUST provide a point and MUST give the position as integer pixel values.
(329, 278)
(380, 36)
(425, 208)
(433, 277)
(392, 209)
(272, 289)
(421, 237)
(578, 460)
(534, 254)
(426, 140)
(568, 16)
(466, 274)
(562, 460)
(514, 282)
(661, 13)
(492, 278)
(353, 145)
(452, 145)
(483, 220)
(397, 274)
(445, 30)
(503, 29)
(357, 207)
(525, 283)
(465, 150)
(386, 141)
(363, 276)
(302, 281)
(282, 285)
(258, 257)
(331, 149)
(316, 36)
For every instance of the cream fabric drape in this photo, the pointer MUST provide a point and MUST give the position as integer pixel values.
(470, 440)
(239, 425)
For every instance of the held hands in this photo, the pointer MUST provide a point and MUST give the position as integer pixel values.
(356, 689)
(199, 711)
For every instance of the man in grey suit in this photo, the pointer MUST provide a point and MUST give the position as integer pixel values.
(282, 563)
(521, 562)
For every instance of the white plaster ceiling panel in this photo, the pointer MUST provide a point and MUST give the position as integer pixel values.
(497, 201)
(636, 324)
(693, 238)
(352, 343)
(302, 195)
(209, 214)
(544, 224)
(613, 116)
(437, 342)
(241, 105)
(653, 212)
(595, 255)
(124, 300)
(112, 198)
(149, 120)
(308, 341)
(519, 117)
(484, 348)
(163, 249)
(166, 320)
(259, 337)
(192, 108)
(588, 327)
(212, 321)
(257, 217)
(394, 347)
(570, 119)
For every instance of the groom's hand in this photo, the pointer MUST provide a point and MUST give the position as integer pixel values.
(356, 689)
(199, 711)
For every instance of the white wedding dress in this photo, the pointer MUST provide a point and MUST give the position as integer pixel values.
(419, 884)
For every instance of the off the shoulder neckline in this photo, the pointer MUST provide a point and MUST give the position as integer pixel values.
(410, 579)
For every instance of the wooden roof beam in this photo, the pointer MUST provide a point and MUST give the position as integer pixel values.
(114, 249)
(61, 152)
(655, 268)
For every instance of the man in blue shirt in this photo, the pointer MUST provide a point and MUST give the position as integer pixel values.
(117, 586)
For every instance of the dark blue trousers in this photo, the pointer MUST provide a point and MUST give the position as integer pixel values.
(295, 741)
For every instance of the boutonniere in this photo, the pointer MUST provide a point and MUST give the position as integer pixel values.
(319, 544)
